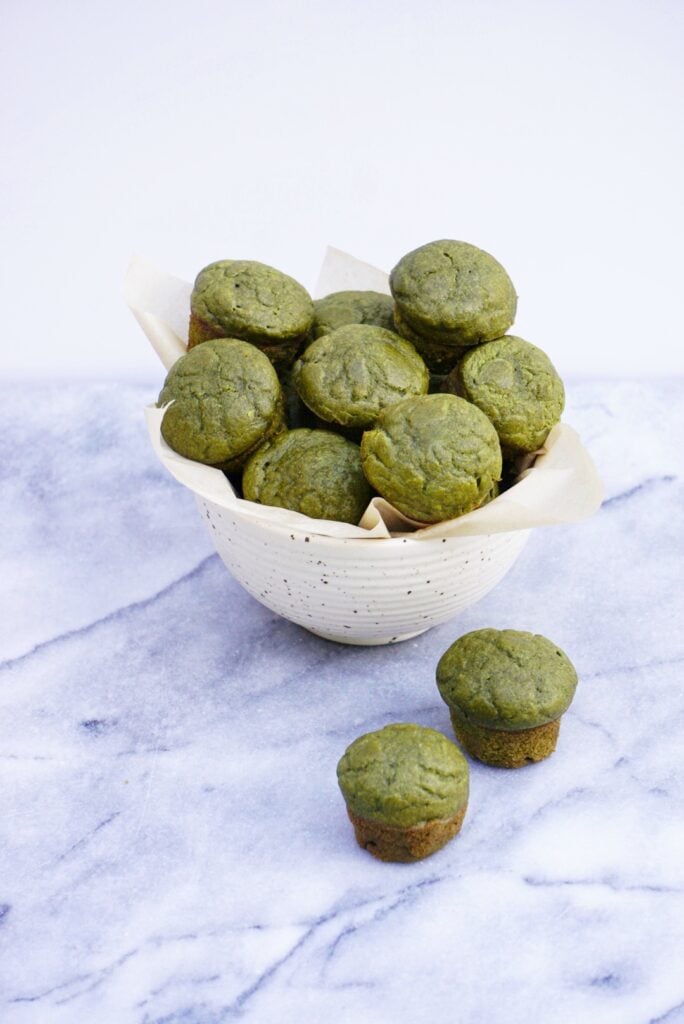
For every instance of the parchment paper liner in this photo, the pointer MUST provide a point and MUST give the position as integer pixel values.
(561, 487)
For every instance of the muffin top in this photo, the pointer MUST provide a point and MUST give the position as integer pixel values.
(403, 775)
(226, 398)
(449, 289)
(506, 679)
(341, 308)
(434, 457)
(314, 472)
(349, 376)
(516, 386)
(250, 300)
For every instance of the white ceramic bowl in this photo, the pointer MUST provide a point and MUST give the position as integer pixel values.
(359, 591)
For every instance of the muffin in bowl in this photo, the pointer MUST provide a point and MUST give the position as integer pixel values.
(254, 302)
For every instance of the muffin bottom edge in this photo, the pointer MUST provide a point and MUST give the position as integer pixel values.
(406, 844)
(503, 749)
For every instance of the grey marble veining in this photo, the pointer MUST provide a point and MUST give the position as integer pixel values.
(173, 844)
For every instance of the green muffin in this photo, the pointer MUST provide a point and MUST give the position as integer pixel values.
(406, 791)
(434, 457)
(452, 293)
(254, 302)
(506, 691)
(516, 386)
(341, 308)
(314, 472)
(226, 401)
(349, 376)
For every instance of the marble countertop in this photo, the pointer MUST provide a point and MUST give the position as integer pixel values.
(173, 844)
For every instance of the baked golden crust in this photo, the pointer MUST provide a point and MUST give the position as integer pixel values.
(405, 844)
(506, 749)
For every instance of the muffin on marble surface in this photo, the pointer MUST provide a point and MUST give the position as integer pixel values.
(506, 691)
(516, 386)
(225, 400)
(406, 791)
(434, 457)
(350, 307)
(349, 376)
(451, 293)
(315, 472)
(254, 302)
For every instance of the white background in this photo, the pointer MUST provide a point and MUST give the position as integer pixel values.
(548, 133)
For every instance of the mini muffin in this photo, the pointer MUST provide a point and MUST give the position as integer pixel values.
(434, 457)
(349, 376)
(254, 302)
(226, 401)
(406, 791)
(341, 308)
(516, 386)
(314, 472)
(452, 293)
(506, 691)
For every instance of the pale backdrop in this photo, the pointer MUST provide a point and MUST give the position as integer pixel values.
(548, 133)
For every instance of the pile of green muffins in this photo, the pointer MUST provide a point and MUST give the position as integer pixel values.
(420, 397)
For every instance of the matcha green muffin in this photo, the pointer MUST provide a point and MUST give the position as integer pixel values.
(451, 294)
(349, 376)
(406, 791)
(341, 308)
(314, 472)
(506, 691)
(516, 386)
(225, 402)
(254, 302)
(434, 457)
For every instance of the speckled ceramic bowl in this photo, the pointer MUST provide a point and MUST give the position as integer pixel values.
(359, 591)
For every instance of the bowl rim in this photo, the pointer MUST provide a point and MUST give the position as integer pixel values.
(299, 533)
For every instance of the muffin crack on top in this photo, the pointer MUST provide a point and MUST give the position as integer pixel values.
(261, 296)
(506, 678)
(346, 377)
(433, 456)
(453, 290)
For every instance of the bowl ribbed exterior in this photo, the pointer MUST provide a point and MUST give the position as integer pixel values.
(359, 591)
